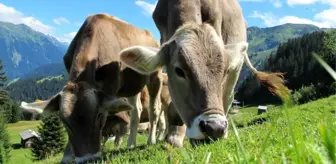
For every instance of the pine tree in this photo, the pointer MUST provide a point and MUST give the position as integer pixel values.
(15, 116)
(52, 138)
(7, 106)
(5, 146)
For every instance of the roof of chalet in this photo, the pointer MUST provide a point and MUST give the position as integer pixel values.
(28, 133)
(236, 102)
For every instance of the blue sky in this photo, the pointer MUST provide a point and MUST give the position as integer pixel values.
(62, 18)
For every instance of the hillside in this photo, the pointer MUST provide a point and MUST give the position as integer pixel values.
(294, 58)
(31, 89)
(264, 41)
(46, 70)
(23, 49)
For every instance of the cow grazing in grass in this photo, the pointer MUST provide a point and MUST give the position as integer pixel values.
(203, 46)
(97, 79)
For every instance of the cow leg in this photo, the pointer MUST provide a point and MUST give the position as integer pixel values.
(122, 132)
(135, 119)
(118, 141)
(104, 139)
(68, 154)
(154, 89)
(176, 127)
(162, 125)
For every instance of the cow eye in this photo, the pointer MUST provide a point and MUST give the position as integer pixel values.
(179, 72)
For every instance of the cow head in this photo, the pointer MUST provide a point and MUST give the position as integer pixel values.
(202, 73)
(83, 111)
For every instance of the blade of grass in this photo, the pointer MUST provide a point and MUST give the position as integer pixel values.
(325, 65)
(329, 141)
(240, 145)
(208, 158)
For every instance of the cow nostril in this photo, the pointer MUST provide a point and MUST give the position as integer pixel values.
(203, 125)
(213, 128)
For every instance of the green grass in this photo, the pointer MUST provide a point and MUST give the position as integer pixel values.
(301, 134)
(20, 156)
(59, 77)
(13, 81)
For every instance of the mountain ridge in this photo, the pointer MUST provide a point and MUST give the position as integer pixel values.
(23, 49)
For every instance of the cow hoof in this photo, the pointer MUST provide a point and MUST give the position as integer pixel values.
(175, 141)
(151, 142)
(130, 146)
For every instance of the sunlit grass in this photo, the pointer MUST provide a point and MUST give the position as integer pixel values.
(299, 134)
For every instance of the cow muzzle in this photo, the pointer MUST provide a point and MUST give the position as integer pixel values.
(208, 127)
(88, 158)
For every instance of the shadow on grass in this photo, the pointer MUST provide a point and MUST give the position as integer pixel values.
(256, 121)
(16, 146)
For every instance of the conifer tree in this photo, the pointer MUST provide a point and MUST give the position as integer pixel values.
(5, 146)
(7, 106)
(52, 138)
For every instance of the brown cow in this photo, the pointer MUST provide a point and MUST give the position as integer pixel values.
(97, 80)
(203, 46)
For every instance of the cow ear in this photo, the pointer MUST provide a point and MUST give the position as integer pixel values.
(42, 107)
(113, 104)
(236, 53)
(142, 59)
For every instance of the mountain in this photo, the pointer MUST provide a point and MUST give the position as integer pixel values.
(264, 41)
(46, 70)
(23, 49)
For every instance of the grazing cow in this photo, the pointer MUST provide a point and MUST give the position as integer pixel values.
(144, 110)
(203, 46)
(97, 80)
(118, 124)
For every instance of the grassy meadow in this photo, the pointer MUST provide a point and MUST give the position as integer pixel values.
(299, 134)
(20, 155)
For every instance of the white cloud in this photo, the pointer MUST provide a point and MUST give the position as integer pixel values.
(332, 3)
(268, 18)
(327, 16)
(301, 2)
(276, 3)
(297, 20)
(148, 8)
(251, 0)
(10, 14)
(271, 20)
(61, 20)
(67, 37)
